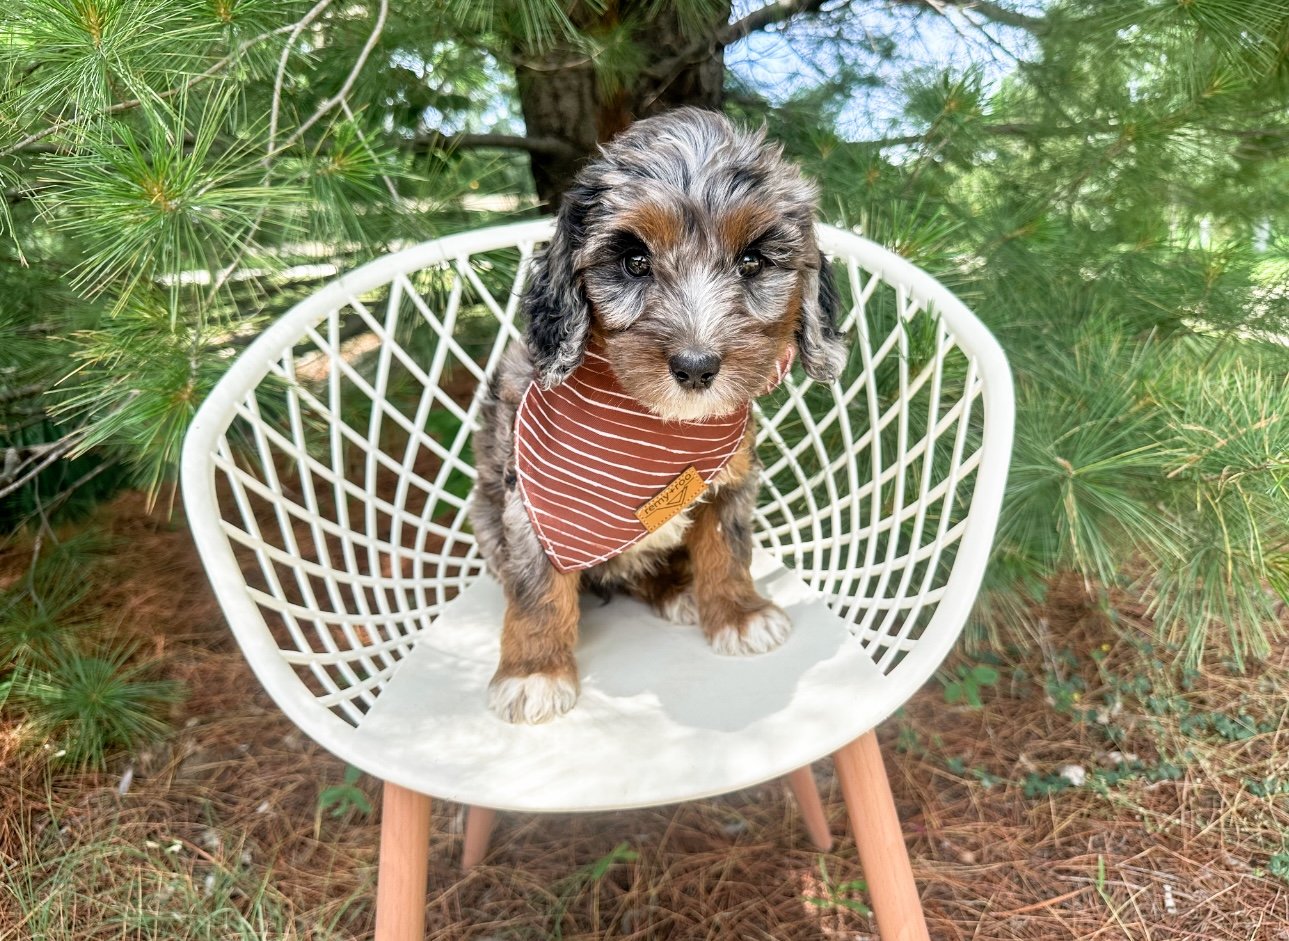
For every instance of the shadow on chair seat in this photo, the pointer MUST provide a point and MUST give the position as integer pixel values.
(661, 717)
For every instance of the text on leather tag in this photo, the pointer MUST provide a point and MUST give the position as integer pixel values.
(681, 492)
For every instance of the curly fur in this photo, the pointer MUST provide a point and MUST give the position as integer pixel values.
(697, 197)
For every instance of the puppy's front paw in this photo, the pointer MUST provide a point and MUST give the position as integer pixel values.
(760, 632)
(537, 697)
(680, 608)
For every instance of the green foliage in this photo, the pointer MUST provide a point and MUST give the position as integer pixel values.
(92, 50)
(140, 416)
(86, 706)
(1109, 203)
(78, 694)
(592, 875)
(966, 684)
(157, 200)
(1110, 210)
(958, 766)
(342, 799)
(1267, 787)
(170, 169)
(622, 853)
(1278, 866)
(1036, 785)
(847, 895)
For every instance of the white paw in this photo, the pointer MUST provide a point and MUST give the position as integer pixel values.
(538, 697)
(761, 633)
(680, 609)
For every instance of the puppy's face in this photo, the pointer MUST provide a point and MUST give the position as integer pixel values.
(687, 252)
(695, 291)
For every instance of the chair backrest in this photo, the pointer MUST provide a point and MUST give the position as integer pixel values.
(326, 476)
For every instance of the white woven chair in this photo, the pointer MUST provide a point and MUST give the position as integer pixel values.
(326, 477)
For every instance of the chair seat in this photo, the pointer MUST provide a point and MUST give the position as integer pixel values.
(661, 717)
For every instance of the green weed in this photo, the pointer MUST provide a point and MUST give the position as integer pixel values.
(840, 894)
(967, 683)
(342, 799)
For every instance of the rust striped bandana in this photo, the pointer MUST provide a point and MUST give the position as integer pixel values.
(598, 472)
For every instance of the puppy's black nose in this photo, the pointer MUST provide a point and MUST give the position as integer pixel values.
(695, 370)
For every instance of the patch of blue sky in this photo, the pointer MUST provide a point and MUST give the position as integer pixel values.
(891, 45)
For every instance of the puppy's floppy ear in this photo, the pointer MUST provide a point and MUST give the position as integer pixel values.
(820, 345)
(559, 316)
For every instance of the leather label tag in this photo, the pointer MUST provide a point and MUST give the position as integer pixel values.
(681, 492)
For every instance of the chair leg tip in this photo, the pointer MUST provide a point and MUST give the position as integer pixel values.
(479, 822)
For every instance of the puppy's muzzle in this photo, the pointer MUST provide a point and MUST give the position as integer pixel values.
(694, 370)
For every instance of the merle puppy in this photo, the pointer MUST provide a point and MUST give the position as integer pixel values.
(682, 280)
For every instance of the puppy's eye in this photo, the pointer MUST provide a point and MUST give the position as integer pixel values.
(750, 264)
(637, 264)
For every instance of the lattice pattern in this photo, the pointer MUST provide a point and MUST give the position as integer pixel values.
(342, 475)
(867, 484)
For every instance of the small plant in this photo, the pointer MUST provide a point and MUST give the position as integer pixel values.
(343, 798)
(622, 853)
(87, 706)
(1044, 785)
(959, 767)
(907, 739)
(967, 683)
(1235, 728)
(1231, 728)
(1278, 866)
(588, 875)
(31, 632)
(79, 694)
(1266, 787)
(840, 895)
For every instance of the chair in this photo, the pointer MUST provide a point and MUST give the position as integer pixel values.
(326, 479)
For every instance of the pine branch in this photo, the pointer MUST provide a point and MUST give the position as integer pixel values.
(989, 11)
(769, 15)
(436, 140)
(16, 194)
(340, 98)
(39, 457)
(343, 94)
(1086, 128)
(419, 145)
(21, 392)
(28, 143)
(57, 500)
(279, 78)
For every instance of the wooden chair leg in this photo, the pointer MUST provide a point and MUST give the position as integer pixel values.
(804, 789)
(882, 853)
(479, 822)
(404, 862)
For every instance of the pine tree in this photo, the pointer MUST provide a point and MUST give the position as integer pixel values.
(177, 172)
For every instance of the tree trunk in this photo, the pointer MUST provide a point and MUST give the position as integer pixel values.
(561, 97)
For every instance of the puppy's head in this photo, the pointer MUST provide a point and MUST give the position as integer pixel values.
(688, 250)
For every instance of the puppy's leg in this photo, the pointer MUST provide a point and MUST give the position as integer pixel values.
(536, 679)
(734, 617)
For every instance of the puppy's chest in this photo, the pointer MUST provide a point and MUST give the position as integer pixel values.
(640, 558)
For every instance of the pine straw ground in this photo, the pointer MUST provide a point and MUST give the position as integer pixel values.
(219, 834)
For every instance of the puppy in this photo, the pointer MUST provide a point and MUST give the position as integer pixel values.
(616, 451)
